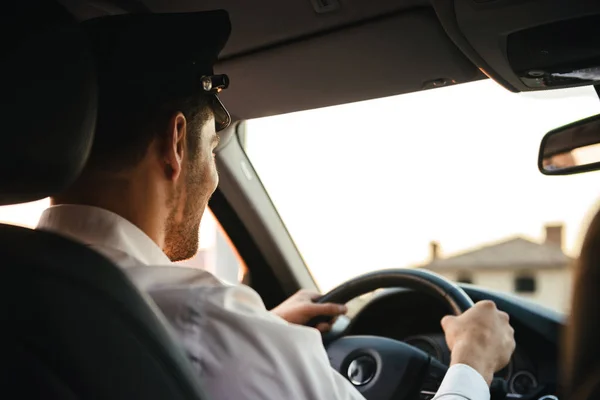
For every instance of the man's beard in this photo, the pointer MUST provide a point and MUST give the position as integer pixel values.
(183, 227)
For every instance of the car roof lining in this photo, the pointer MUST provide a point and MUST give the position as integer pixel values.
(284, 57)
(257, 24)
(287, 56)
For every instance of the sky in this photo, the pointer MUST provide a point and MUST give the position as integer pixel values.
(368, 185)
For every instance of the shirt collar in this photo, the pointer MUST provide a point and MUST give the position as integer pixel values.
(99, 227)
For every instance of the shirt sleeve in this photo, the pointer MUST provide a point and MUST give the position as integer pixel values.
(242, 351)
(463, 383)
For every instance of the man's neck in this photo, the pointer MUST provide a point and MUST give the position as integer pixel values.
(133, 198)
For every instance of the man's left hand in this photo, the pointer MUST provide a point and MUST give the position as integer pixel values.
(300, 308)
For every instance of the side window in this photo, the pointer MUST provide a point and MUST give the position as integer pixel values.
(217, 254)
(26, 214)
(525, 284)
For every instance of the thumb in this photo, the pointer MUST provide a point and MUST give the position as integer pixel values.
(447, 322)
(328, 309)
(324, 327)
(314, 296)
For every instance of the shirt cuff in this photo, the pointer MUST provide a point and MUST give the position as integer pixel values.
(462, 381)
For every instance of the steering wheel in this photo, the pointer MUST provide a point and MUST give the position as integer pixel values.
(382, 368)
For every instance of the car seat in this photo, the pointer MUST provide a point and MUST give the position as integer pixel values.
(72, 325)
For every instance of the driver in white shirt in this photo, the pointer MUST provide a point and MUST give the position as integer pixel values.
(140, 199)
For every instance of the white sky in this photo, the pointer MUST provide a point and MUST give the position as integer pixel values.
(368, 185)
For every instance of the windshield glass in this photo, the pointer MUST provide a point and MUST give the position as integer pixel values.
(445, 178)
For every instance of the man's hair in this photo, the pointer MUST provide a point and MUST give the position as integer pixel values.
(124, 131)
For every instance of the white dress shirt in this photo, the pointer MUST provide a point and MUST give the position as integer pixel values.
(239, 348)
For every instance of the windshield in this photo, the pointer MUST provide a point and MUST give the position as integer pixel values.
(445, 178)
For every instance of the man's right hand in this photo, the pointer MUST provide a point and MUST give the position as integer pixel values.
(481, 338)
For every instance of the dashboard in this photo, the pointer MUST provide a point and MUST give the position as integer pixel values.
(414, 318)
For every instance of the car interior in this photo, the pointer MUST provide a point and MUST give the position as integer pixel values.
(78, 328)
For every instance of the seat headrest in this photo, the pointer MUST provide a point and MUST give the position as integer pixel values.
(48, 110)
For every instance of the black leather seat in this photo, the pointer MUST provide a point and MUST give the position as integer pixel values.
(72, 325)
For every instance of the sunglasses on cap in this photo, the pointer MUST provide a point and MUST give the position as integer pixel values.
(212, 85)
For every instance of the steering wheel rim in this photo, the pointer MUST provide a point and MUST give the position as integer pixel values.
(417, 279)
(382, 368)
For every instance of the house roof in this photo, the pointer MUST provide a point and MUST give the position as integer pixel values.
(515, 253)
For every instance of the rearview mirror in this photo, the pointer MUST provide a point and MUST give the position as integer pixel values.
(572, 148)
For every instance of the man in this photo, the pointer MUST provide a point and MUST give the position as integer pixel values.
(140, 200)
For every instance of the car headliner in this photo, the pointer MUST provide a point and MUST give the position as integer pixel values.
(284, 56)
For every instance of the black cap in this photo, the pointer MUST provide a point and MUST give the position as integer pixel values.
(147, 57)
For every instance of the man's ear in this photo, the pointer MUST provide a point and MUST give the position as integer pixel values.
(175, 145)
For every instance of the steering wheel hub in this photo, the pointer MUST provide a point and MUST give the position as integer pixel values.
(362, 370)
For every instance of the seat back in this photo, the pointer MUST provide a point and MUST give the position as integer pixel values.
(72, 325)
(48, 100)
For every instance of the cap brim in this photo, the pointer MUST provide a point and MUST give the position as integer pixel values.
(222, 117)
